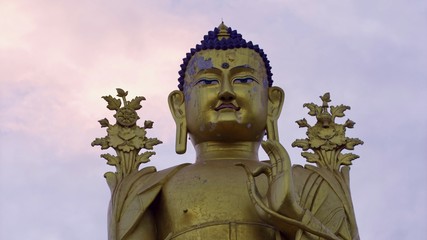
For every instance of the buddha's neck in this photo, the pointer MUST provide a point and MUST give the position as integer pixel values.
(241, 151)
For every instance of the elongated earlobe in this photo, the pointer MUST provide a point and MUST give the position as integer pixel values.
(276, 97)
(177, 108)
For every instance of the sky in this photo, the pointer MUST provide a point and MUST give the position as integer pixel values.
(58, 57)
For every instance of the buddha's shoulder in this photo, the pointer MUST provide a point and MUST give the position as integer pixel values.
(149, 178)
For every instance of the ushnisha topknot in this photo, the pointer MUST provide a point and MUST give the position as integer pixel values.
(223, 38)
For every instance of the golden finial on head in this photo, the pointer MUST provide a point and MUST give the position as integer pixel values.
(223, 33)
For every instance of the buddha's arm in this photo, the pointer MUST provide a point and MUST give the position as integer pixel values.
(134, 223)
(144, 230)
(130, 216)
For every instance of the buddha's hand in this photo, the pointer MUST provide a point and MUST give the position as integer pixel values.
(280, 197)
(279, 206)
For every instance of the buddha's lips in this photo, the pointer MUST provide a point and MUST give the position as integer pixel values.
(227, 105)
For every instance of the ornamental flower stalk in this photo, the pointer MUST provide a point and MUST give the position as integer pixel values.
(125, 137)
(326, 138)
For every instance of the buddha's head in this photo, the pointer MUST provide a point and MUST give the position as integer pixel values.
(225, 92)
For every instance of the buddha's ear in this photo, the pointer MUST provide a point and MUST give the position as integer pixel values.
(177, 106)
(276, 97)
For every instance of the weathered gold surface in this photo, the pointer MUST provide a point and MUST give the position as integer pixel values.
(226, 107)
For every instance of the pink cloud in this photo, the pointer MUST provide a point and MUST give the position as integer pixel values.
(58, 59)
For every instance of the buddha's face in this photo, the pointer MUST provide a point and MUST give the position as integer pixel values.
(226, 96)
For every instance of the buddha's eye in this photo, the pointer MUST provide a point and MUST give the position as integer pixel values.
(205, 81)
(244, 80)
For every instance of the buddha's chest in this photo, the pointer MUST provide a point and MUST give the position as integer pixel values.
(211, 201)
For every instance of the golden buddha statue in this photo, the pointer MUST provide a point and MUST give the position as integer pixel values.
(226, 104)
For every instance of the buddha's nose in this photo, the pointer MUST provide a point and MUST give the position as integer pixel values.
(226, 94)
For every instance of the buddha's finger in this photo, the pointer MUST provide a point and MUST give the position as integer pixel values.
(252, 188)
(277, 154)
